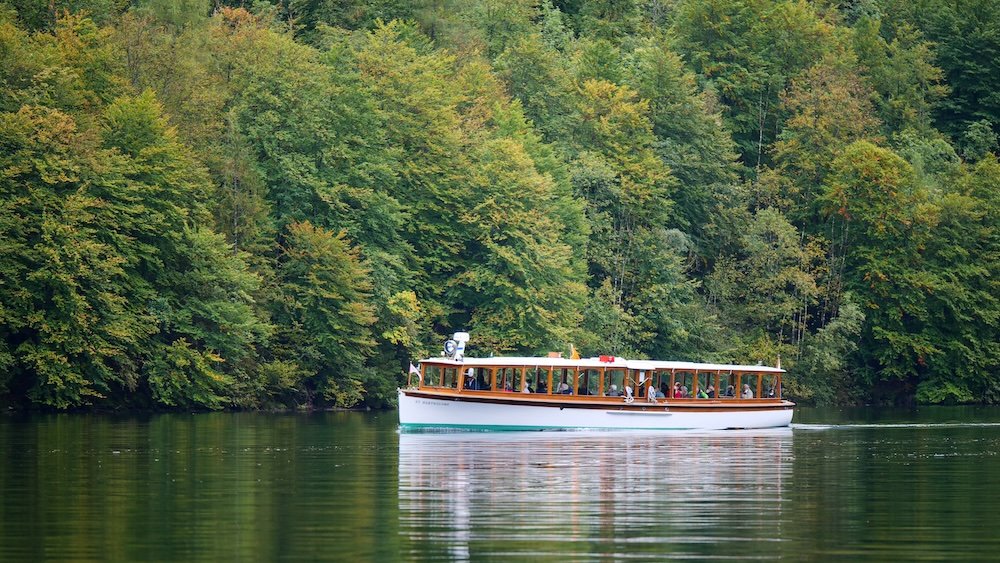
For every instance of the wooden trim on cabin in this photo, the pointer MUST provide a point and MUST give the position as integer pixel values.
(603, 403)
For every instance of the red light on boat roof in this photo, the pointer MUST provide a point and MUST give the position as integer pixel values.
(608, 359)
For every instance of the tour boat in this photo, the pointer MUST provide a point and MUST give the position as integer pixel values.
(605, 392)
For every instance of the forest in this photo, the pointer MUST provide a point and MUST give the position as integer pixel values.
(210, 204)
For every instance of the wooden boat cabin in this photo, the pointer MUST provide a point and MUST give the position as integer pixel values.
(599, 379)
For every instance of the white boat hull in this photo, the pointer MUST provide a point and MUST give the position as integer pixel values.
(421, 411)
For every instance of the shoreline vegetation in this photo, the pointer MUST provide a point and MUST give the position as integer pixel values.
(248, 205)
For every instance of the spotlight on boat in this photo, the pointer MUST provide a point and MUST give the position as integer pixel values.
(460, 339)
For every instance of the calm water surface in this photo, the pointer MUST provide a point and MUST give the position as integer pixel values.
(855, 484)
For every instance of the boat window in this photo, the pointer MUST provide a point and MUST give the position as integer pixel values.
(729, 385)
(563, 381)
(748, 379)
(642, 382)
(684, 380)
(508, 379)
(614, 382)
(661, 382)
(450, 379)
(589, 382)
(481, 379)
(631, 381)
(432, 376)
(537, 379)
(769, 389)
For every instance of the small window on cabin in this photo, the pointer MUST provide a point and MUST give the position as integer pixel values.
(563, 380)
(537, 379)
(631, 381)
(642, 383)
(769, 387)
(729, 385)
(432, 376)
(450, 378)
(589, 382)
(614, 382)
(480, 380)
(661, 383)
(715, 380)
(508, 379)
(683, 385)
(748, 382)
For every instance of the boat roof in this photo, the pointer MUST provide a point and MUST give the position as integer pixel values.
(538, 361)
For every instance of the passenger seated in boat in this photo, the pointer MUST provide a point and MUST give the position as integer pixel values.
(542, 387)
(583, 390)
(684, 392)
(658, 394)
(470, 381)
(730, 392)
(747, 393)
(526, 389)
(710, 391)
(677, 390)
(564, 389)
(613, 391)
(702, 394)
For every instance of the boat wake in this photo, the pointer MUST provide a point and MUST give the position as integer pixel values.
(796, 426)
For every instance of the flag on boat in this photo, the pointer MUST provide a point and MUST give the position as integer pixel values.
(413, 369)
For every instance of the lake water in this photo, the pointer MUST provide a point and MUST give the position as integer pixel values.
(858, 484)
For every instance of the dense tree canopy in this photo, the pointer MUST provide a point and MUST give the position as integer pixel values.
(283, 204)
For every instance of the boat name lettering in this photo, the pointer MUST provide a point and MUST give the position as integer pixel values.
(435, 403)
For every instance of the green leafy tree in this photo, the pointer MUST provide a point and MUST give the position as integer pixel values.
(209, 325)
(747, 52)
(199, 291)
(536, 74)
(518, 279)
(966, 40)
(887, 219)
(311, 16)
(829, 108)
(500, 21)
(69, 324)
(417, 100)
(979, 140)
(823, 372)
(609, 19)
(313, 133)
(902, 72)
(608, 327)
(689, 136)
(768, 283)
(323, 318)
(626, 186)
(44, 16)
(962, 304)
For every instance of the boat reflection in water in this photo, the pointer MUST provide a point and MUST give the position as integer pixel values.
(592, 494)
